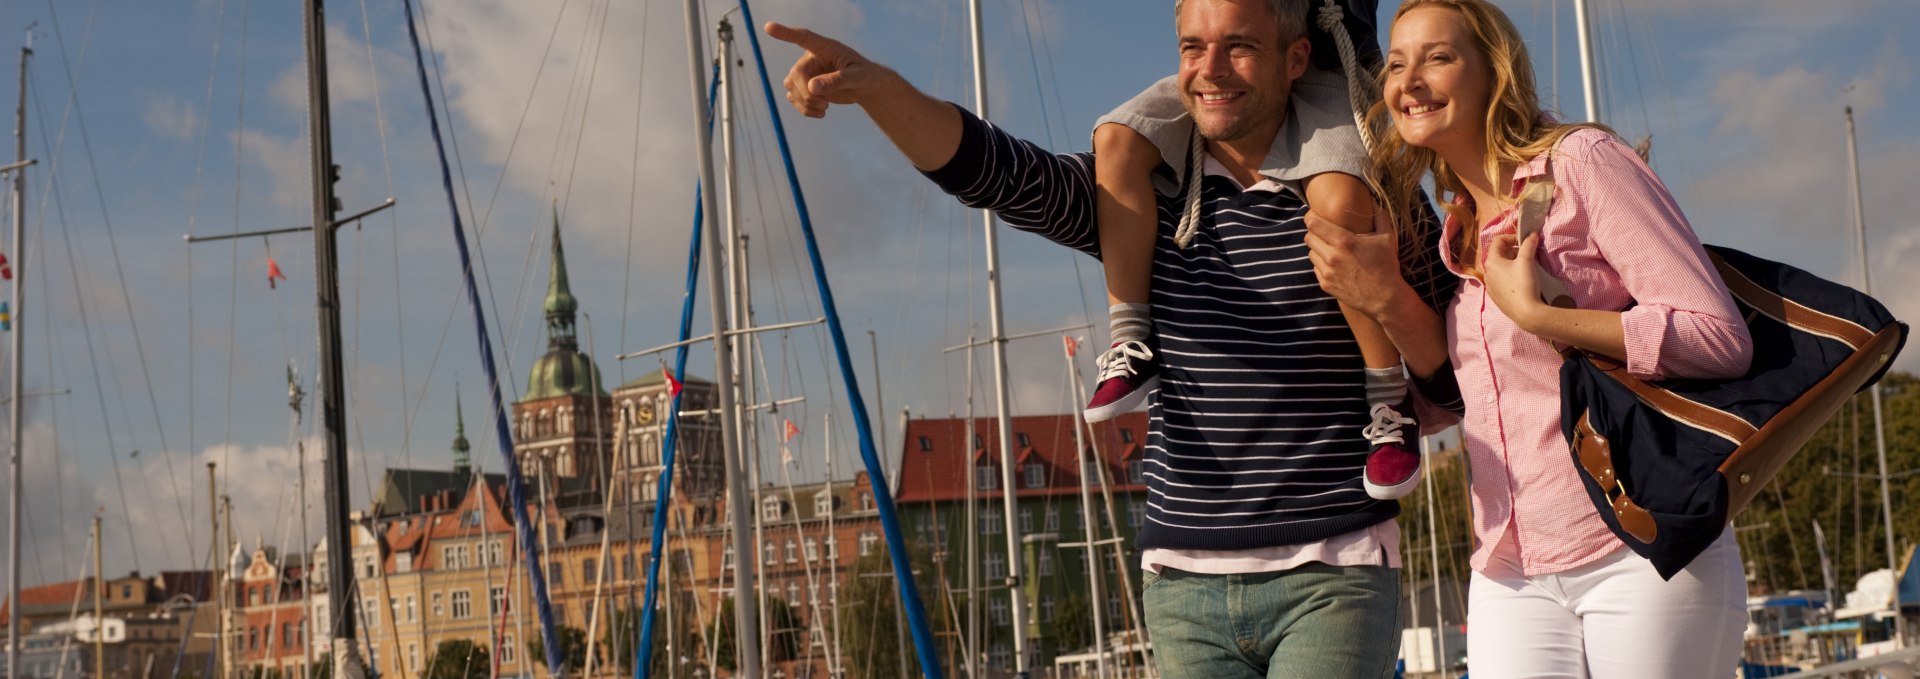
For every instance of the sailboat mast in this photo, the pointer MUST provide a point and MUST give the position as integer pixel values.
(333, 417)
(1090, 534)
(1587, 85)
(745, 615)
(1879, 428)
(13, 409)
(1433, 552)
(1002, 400)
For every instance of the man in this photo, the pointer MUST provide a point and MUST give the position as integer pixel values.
(1264, 556)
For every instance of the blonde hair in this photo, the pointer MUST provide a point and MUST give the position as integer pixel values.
(1517, 129)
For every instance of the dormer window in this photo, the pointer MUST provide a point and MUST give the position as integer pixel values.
(926, 444)
(770, 508)
(823, 501)
(984, 478)
(866, 502)
(977, 443)
(1024, 441)
(1036, 475)
(1126, 436)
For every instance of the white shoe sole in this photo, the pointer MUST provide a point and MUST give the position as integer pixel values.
(1396, 491)
(1126, 403)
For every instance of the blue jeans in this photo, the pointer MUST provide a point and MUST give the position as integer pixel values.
(1312, 622)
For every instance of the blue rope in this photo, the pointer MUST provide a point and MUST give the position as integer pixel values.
(643, 649)
(516, 486)
(883, 498)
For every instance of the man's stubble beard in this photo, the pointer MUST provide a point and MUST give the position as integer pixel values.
(1242, 126)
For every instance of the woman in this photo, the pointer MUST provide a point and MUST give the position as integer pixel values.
(1553, 593)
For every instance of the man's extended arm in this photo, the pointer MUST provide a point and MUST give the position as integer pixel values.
(926, 129)
(1028, 187)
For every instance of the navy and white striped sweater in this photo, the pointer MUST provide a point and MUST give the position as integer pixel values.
(1254, 436)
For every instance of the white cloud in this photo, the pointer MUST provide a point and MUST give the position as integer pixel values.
(171, 116)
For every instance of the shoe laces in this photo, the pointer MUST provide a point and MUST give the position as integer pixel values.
(1386, 425)
(1117, 361)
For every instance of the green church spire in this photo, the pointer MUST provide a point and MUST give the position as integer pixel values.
(462, 452)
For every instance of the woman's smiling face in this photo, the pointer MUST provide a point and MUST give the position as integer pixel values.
(1438, 83)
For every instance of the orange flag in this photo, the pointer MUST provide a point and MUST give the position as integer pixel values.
(790, 430)
(273, 272)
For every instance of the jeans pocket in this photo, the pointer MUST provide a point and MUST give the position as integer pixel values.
(1148, 579)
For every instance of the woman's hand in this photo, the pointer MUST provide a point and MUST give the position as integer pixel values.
(1512, 279)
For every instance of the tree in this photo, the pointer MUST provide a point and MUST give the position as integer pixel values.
(573, 647)
(1072, 624)
(787, 631)
(459, 659)
(867, 606)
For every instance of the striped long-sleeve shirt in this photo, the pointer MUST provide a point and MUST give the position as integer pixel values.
(1254, 436)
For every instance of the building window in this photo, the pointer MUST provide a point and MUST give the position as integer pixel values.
(626, 567)
(770, 508)
(726, 557)
(978, 443)
(996, 566)
(769, 554)
(999, 657)
(866, 502)
(868, 540)
(926, 445)
(253, 638)
(990, 522)
(371, 610)
(793, 593)
(413, 657)
(1046, 608)
(1024, 441)
(813, 549)
(507, 648)
(471, 519)
(453, 557)
(833, 547)
(126, 591)
(588, 573)
(793, 552)
(1026, 520)
(494, 552)
(997, 611)
(403, 562)
(823, 502)
(1136, 514)
(1113, 608)
(253, 596)
(497, 601)
(439, 609)
(558, 574)
(462, 604)
(1036, 475)
(984, 478)
(1137, 471)
(1053, 519)
(1046, 562)
(413, 609)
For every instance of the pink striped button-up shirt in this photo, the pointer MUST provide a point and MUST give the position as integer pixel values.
(1618, 241)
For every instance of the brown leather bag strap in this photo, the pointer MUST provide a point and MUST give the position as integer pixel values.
(1794, 314)
(1698, 415)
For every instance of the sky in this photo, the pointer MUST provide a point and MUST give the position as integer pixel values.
(147, 357)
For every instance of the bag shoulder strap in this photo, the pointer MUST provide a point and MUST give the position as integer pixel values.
(1536, 199)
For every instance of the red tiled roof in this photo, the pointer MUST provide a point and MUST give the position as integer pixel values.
(47, 595)
(935, 454)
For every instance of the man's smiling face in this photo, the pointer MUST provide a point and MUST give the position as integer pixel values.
(1236, 68)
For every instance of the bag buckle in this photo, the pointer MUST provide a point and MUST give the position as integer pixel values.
(1595, 454)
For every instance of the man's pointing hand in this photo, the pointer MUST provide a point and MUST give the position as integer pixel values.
(829, 73)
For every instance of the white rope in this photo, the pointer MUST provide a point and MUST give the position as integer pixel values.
(1359, 82)
(1196, 166)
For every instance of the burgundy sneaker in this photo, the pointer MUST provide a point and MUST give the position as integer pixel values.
(1393, 468)
(1128, 372)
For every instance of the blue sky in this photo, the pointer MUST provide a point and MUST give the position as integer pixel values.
(191, 118)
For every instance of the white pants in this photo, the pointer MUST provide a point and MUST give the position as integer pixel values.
(1611, 619)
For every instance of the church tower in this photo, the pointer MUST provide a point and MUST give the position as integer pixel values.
(560, 421)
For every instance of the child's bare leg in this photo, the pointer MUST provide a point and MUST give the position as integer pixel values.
(1128, 218)
(1393, 467)
(1124, 209)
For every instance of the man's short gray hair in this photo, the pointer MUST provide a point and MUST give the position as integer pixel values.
(1291, 15)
